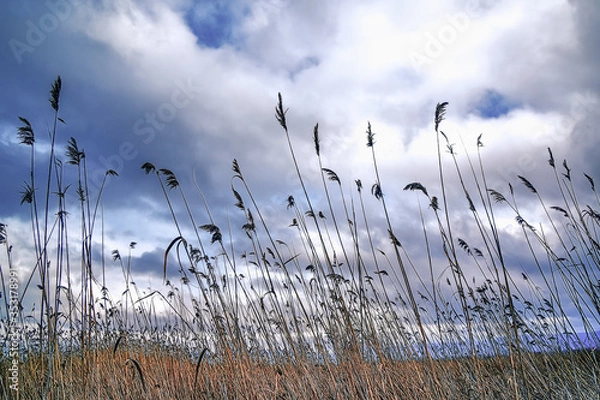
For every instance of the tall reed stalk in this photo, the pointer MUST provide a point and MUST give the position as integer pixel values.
(325, 313)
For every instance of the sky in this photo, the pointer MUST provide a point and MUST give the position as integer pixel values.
(191, 85)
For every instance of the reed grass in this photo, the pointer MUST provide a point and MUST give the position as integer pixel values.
(328, 314)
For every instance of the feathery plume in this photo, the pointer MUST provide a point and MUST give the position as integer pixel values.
(440, 112)
(55, 93)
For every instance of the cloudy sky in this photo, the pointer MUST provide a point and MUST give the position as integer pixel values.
(191, 85)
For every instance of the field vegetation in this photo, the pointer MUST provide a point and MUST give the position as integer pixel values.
(331, 315)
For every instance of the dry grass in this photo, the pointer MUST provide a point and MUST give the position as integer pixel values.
(103, 374)
(330, 315)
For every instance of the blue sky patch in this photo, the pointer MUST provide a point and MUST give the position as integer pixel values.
(493, 105)
(212, 22)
